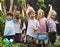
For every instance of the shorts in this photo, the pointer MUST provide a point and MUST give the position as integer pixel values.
(42, 37)
(52, 37)
(30, 39)
(17, 37)
(9, 37)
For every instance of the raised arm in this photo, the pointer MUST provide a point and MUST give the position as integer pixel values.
(25, 14)
(15, 9)
(4, 9)
(11, 5)
(50, 11)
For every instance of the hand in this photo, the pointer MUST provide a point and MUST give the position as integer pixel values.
(3, 6)
(56, 22)
(15, 7)
(49, 5)
(35, 29)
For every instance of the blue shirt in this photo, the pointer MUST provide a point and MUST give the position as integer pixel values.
(9, 27)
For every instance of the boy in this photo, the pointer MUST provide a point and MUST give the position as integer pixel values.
(32, 27)
(9, 31)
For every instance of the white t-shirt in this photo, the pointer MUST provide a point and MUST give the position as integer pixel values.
(17, 27)
(9, 28)
(32, 24)
(51, 25)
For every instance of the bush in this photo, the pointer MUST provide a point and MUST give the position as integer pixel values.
(1, 23)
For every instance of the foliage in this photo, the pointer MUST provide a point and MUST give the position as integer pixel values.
(2, 1)
(22, 18)
(1, 23)
(21, 1)
(41, 3)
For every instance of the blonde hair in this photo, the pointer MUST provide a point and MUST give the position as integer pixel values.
(52, 12)
(30, 9)
(40, 11)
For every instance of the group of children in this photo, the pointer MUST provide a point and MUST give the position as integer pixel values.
(36, 26)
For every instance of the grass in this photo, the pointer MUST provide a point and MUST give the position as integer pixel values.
(57, 44)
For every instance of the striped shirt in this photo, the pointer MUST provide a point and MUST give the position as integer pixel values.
(51, 25)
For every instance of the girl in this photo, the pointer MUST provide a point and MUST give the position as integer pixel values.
(52, 25)
(42, 29)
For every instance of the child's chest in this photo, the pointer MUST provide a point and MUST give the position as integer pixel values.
(42, 22)
(32, 23)
(9, 23)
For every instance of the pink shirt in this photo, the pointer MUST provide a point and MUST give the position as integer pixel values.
(42, 28)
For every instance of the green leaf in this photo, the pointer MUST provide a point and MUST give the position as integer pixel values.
(42, 1)
(3, 1)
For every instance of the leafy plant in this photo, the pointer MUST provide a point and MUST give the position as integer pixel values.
(2, 1)
(21, 1)
(41, 3)
(22, 18)
(1, 23)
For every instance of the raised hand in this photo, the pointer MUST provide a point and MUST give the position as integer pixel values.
(15, 7)
(49, 5)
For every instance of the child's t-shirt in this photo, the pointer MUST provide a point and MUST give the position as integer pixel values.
(32, 24)
(9, 27)
(17, 27)
(51, 25)
(42, 28)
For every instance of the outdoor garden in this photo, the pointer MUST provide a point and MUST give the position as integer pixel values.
(10, 43)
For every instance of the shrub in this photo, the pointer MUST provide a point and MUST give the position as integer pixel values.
(1, 23)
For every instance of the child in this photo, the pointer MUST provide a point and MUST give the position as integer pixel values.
(17, 27)
(42, 29)
(32, 27)
(9, 31)
(52, 25)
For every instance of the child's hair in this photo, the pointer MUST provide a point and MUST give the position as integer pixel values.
(30, 10)
(40, 11)
(55, 13)
(9, 14)
(52, 12)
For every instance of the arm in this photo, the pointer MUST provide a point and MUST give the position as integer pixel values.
(14, 12)
(50, 11)
(56, 22)
(11, 5)
(4, 9)
(25, 14)
(37, 26)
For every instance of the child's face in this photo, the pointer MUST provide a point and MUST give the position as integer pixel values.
(53, 16)
(40, 15)
(17, 15)
(9, 17)
(32, 15)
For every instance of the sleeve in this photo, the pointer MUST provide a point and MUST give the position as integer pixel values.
(5, 19)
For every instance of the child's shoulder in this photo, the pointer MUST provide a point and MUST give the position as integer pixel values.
(45, 18)
(36, 20)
